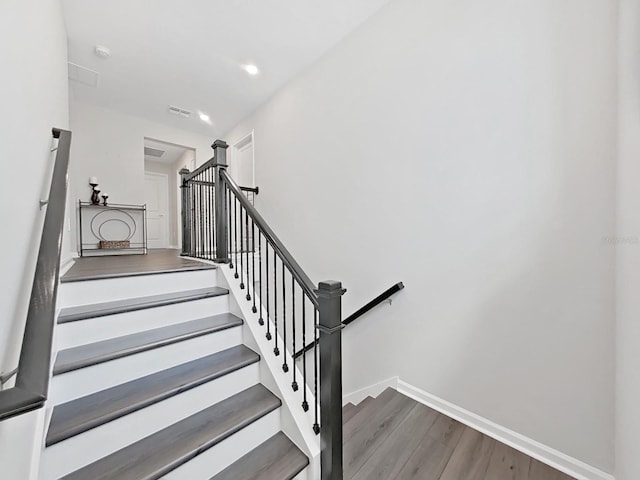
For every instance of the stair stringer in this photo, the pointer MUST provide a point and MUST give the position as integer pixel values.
(295, 422)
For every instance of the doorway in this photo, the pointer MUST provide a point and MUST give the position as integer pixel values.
(162, 162)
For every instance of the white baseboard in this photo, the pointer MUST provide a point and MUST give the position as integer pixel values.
(543, 453)
(370, 391)
(67, 263)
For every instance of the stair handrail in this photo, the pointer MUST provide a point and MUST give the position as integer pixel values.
(34, 364)
(386, 295)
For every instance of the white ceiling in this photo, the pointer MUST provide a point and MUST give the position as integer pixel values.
(171, 153)
(190, 53)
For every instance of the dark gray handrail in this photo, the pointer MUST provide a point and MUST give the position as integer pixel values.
(255, 190)
(388, 293)
(374, 303)
(200, 169)
(295, 269)
(32, 381)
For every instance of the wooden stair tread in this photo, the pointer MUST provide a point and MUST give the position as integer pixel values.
(98, 352)
(159, 453)
(72, 277)
(85, 413)
(276, 459)
(83, 312)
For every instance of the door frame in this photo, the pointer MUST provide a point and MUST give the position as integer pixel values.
(234, 148)
(167, 223)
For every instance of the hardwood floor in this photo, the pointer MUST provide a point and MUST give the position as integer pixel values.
(393, 437)
(156, 261)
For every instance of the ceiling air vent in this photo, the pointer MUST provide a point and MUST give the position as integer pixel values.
(83, 75)
(153, 152)
(179, 111)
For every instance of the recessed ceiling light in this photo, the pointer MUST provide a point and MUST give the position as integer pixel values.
(251, 69)
(204, 117)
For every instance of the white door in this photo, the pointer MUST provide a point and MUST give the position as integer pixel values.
(156, 194)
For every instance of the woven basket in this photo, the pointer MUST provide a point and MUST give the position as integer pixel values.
(114, 244)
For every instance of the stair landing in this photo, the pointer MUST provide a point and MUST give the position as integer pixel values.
(114, 266)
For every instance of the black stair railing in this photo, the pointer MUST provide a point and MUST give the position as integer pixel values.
(220, 223)
(34, 364)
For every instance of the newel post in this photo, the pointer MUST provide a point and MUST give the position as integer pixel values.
(220, 156)
(186, 212)
(330, 327)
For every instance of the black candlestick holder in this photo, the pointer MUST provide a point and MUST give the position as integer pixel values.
(104, 198)
(95, 195)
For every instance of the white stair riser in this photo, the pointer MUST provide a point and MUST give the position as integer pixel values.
(76, 452)
(91, 330)
(303, 475)
(84, 381)
(106, 290)
(216, 459)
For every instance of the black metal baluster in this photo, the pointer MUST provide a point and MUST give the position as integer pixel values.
(266, 276)
(193, 219)
(246, 231)
(235, 233)
(203, 188)
(254, 309)
(276, 350)
(198, 216)
(294, 385)
(207, 213)
(305, 404)
(214, 215)
(207, 218)
(285, 366)
(201, 218)
(229, 229)
(210, 227)
(316, 425)
(260, 320)
(241, 248)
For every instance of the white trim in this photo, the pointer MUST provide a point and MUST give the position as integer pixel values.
(68, 263)
(370, 391)
(550, 456)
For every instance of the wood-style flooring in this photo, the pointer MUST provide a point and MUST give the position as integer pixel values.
(393, 437)
(156, 261)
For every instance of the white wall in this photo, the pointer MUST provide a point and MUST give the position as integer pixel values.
(627, 243)
(467, 149)
(110, 146)
(33, 88)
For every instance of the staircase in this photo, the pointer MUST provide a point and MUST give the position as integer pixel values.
(152, 379)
